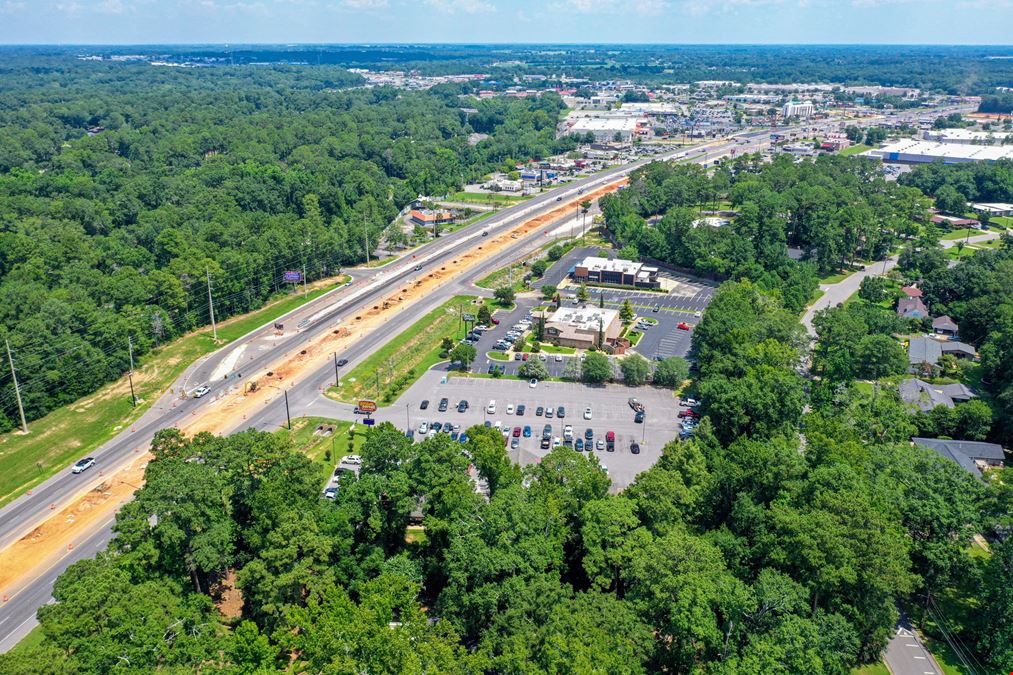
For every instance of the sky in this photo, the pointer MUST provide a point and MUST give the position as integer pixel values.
(499, 21)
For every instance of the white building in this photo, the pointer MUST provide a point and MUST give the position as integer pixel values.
(920, 152)
(606, 129)
(967, 136)
(795, 109)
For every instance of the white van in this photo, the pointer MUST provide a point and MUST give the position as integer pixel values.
(491, 408)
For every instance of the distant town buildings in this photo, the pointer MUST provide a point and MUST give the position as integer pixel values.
(618, 272)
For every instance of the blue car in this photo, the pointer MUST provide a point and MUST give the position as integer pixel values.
(578, 444)
(527, 431)
(463, 438)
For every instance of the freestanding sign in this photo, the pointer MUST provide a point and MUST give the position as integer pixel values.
(369, 421)
(367, 406)
(293, 276)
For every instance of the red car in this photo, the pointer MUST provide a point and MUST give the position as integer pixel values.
(683, 326)
(495, 322)
(689, 413)
(517, 432)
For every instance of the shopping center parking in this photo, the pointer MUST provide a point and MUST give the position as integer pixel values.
(609, 405)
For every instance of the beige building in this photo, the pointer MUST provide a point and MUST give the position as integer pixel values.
(579, 326)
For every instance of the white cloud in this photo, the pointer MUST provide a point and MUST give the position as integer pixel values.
(366, 4)
(643, 7)
(465, 6)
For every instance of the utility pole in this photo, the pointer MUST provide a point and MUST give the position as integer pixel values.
(17, 389)
(211, 305)
(407, 417)
(288, 415)
(337, 377)
(304, 278)
(130, 373)
(365, 235)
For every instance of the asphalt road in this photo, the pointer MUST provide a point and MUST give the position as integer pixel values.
(906, 655)
(23, 514)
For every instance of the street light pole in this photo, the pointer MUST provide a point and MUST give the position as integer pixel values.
(337, 376)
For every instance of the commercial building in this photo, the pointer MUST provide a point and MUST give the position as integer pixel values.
(922, 152)
(582, 327)
(967, 136)
(993, 208)
(607, 129)
(795, 109)
(432, 217)
(618, 272)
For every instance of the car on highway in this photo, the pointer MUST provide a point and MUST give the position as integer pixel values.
(559, 199)
(201, 391)
(424, 404)
(83, 465)
(444, 404)
(587, 413)
(342, 362)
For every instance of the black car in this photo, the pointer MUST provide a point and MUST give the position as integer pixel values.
(588, 434)
(538, 411)
(546, 442)
(560, 412)
(443, 404)
(639, 417)
(547, 431)
(635, 448)
(342, 362)
(436, 426)
(520, 409)
(462, 406)
(424, 404)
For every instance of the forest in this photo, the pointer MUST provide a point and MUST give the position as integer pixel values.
(833, 212)
(126, 189)
(738, 552)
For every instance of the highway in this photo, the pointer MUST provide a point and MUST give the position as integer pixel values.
(261, 348)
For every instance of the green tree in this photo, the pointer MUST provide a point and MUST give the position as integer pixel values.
(582, 293)
(671, 372)
(555, 252)
(950, 201)
(484, 315)
(596, 368)
(505, 295)
(464, 355)
(879, 356)
(995, 640)
(533, 368)
(874, 289)
(636, 370)
(626, 312)
(548, 292)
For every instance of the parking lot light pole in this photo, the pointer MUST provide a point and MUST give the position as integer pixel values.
(643, 438)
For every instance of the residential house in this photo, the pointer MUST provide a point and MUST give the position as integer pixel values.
(944, 325)
(924, 353)
(925, 396)
(973, 456)
(912, 308)
(912, 291)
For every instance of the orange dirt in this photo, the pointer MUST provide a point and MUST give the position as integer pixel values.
(20, 561)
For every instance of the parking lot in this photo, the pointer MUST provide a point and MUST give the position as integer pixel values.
(610, 411)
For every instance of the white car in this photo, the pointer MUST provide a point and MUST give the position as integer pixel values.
(559, 357)
(491, 408)
(351, 459)
(568, 432)
(698, 314)
(424, 428)
(587, 413)
(510, 409)
(532, 383)
(497, 424)
(202, 390)
(543, 356)
(83, 465)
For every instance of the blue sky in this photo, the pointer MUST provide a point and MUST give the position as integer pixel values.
(477, 21)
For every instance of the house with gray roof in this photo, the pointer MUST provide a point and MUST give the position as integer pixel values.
(925, 396)
(912, 308)
(973, 456)
(944, 325)
(923, 353)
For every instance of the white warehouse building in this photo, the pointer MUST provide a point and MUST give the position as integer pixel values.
(606, 128)
(921, 152)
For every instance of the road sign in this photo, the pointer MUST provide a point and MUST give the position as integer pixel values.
(367, 406)
(369, 421)
(468, 317)
(293, 276)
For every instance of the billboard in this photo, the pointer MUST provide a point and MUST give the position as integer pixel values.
(367, 406)
(293, 276)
